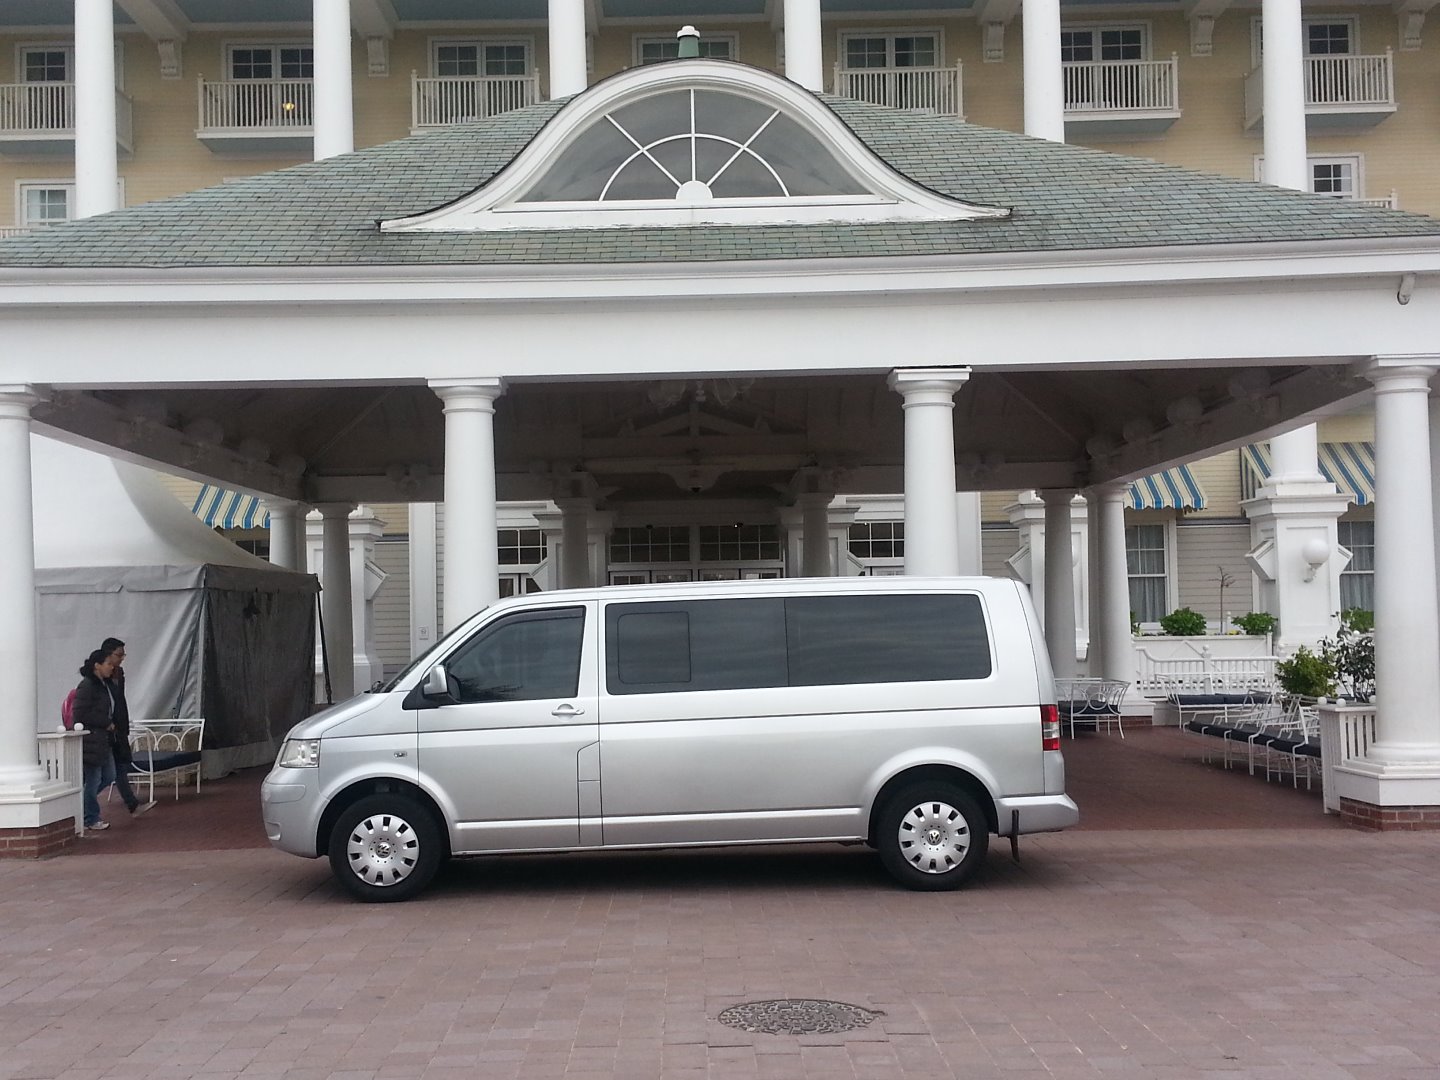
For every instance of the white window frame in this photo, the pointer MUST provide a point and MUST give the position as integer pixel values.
(1348, 572)
(890, 33)
(1172, 567)
(1146, 36)
(435, 44)
(68, 48)
(639, 40)
(1257, 43)
(275, 45)
(1355, 161)
(65, 182)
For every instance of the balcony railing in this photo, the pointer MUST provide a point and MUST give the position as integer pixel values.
(455, 99)
(1362, 87)
(41, 116)
(15, 230)
(928, 89)
(1121, 86)
(283, 106)
(1386, 202)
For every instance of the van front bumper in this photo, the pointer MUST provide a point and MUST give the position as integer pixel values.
(1038, 813)
(287, 808)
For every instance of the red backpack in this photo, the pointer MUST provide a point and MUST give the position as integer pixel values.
(67, 711)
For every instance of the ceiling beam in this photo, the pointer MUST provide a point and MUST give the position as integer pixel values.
(166, 25)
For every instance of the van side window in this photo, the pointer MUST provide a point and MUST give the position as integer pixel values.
(525, 657)
(878, 639)
(663, 647)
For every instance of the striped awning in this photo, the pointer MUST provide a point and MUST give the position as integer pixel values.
(221, 508)
(1173, 489)
(1350, 466)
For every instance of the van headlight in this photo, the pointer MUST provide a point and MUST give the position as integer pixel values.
(300, 754)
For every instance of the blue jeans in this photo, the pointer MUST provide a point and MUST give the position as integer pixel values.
(97, 778)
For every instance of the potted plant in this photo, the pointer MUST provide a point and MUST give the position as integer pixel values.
(1256, 623)
(1306, 674)
(1183, 622)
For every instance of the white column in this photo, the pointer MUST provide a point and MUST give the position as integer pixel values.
(335, 602)
(97, 170)
(19, 752)
(472, 567)
(1283, 75)
(574, 543)
(1059, 582)
(567, 47)
(1434, 475)
(364, 530)
(802, 44)
(815, 534)
(1407, 638)
(1116, 648)
(1044, 84)
(1095, 658)
(286, 535)
(932, 535)
(334, 101)
(967, 522)
(424, 613)
(1295, 455)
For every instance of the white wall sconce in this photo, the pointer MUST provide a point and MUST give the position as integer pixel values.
(1316, 553)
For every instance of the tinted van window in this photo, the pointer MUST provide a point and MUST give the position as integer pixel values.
(880, 639)
(694, 645)
(525, 657)
(797, 641)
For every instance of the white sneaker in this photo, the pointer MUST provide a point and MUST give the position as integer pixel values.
(99, 826)
(142, 807)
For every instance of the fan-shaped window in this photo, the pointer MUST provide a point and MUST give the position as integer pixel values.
(693, 146)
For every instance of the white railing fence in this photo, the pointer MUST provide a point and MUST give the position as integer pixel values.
(1346, 735)
(1158, 676)
(1121, 85)
(1388, 202)
(455, 99)
(61, 760)
(931, 89)
(256, 104)
(1349, 80)
(15, 230)
(35, 108)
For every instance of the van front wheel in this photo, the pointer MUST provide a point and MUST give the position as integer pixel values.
(385, 848)
(931, 836)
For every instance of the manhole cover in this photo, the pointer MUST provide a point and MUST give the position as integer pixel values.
(796, 1016)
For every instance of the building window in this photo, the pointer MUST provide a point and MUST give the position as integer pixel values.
(1357, 581)
(271, 62)
(870, 51)
(736, 543)
(259, 548)
(45, 64)
(44, 204)
(650, 544)
(463, 59)
(877, 540)
(1342, 177)
(520, 546)
(1329, 38)
(1145, 560)
(1080, 44)
(656, 50)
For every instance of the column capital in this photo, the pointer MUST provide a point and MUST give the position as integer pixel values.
(1112, 491)
(1057, 495)
(1392, 373)
(335, 509)
(16, 396)
(283, 506)
(462, 394)
(910, 382)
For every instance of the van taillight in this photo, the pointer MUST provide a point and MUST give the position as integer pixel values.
(1049, 727)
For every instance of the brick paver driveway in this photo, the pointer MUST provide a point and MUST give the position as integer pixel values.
(1200, 923)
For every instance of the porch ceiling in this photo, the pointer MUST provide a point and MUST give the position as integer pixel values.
(685, 437)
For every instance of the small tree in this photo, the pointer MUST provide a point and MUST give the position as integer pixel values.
(1225, 579)
(1306, 675)
(1182, 622)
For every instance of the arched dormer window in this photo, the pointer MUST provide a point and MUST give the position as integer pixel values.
(692, 142)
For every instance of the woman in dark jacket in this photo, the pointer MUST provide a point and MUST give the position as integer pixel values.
(95, 710)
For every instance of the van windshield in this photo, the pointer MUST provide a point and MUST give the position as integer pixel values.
(422, 660)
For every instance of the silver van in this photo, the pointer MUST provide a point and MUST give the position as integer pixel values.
(913, 714)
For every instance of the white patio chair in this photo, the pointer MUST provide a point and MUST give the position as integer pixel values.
(167, 750)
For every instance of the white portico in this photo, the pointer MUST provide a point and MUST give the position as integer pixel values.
(550, 303)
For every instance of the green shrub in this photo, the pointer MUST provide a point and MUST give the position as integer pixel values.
(1305, 674)
(1258, 623)
(1358, 619)
(1182, 622)
(1351, 654)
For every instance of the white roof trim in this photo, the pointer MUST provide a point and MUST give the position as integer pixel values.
(494, 207)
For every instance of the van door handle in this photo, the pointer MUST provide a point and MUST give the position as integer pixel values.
(565, 711)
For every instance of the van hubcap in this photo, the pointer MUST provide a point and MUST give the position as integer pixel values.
(934, 837)
(382, 849)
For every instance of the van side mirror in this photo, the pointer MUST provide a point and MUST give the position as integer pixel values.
(436, 684)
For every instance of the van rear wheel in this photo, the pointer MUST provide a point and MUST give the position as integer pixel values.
(385, 848)
(932, 836)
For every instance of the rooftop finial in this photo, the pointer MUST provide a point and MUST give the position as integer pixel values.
(689, 39)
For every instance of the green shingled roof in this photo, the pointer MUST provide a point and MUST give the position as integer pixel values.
(1064, 198)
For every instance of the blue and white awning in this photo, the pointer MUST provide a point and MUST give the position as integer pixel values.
(221, 508)
(1350, 466)
(1173, 489)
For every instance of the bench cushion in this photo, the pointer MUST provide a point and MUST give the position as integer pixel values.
(146, 761)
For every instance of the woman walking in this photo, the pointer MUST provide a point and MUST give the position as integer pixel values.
(95, 711)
